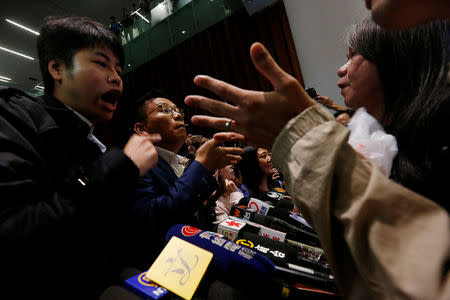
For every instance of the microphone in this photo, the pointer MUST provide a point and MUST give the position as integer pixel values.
(311, 252)
(291, 230)
(286, 263)
(231, 228)
(261, 207)
(292, 275)
(285, 203)
(261, 230)
(240, 211)
(272, 197)
(290, 217)
(280, 253)
(231, 263)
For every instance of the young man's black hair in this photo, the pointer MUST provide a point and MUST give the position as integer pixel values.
(60, 38)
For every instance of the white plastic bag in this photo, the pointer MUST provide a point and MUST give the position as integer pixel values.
(369, 139)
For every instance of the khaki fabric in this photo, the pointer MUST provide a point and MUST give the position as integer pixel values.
(382, 240)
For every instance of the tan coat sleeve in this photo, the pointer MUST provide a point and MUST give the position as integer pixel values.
(382, 240)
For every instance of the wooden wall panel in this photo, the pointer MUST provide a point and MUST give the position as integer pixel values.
(221, 51)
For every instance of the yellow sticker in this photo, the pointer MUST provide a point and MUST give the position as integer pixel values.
(280, 190)
(180, 267)
(245, 242)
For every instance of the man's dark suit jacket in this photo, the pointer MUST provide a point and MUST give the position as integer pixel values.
(163, 200)
(61, 202)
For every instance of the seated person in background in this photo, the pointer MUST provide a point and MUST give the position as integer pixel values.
(258, 174)
(241, 187)
(377, 234)
(170, 193)
(228, 193)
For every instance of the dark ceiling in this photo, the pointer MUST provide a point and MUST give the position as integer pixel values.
(31, 14)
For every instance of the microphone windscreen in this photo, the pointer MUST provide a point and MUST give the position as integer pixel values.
(280, 253)
(290, 217)
(285, 203)
(263, 220)
(284, 256)
(279, 212)
(291, 275)
(292, 231)
(242, 212)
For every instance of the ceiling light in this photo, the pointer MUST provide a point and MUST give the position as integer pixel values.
(183, 32)
(23, 27)
(5, 78)
(137, 12)
(39, 87)
(16, 53)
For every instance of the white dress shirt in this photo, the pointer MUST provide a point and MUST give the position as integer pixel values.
(176, 162)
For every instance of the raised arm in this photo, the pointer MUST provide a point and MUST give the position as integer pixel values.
(258, 116)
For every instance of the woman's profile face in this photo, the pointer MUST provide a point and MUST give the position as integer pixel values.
(265, 161)
(360, 85)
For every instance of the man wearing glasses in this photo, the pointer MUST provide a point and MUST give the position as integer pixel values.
(170, 193)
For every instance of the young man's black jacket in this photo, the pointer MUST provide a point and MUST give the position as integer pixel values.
(60, 201)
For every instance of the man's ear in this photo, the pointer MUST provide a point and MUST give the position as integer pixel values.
(139, 128)
(55, 67)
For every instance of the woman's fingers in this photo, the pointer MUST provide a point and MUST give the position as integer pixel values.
(267, 66)
(220, 88)
(213, 106)
(214, 122)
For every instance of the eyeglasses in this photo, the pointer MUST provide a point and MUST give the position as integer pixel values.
(164, 108)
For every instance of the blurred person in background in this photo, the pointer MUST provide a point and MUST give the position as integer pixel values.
(258, 173)
(228, 192)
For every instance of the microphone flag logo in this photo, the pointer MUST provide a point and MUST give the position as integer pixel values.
(233, 223)
(144, 281)
(245, 242)
(254, 204)
(189, 231)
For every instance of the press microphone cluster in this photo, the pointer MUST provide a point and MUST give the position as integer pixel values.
(293, 232)
(257, 264)
(266, 249)
(283, 236)
(285, 257)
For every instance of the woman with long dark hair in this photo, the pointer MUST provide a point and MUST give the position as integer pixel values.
(400, 77)
(258, 174)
